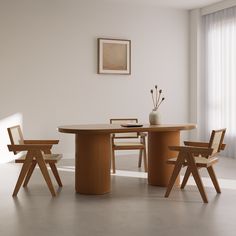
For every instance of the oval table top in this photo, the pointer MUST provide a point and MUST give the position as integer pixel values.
(117, 128)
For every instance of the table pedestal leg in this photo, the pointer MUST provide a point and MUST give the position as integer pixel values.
(158, 152)
(92, 163)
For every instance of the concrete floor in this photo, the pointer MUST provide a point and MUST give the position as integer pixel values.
(132, 208)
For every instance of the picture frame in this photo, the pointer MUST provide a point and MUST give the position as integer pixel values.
(114, 56)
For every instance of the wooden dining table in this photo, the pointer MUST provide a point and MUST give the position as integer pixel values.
(93, 153)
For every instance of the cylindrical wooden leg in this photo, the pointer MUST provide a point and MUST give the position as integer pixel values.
(92, 163)
(159, 172)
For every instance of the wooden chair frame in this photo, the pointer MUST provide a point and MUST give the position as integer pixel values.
(186, 157)
(35, 150)
(141, 147)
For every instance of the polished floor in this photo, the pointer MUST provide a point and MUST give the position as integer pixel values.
(132, 208)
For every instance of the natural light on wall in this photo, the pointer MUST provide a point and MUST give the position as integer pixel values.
(5, 122)
(218, 84)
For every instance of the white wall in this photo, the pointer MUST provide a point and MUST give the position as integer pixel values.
(195, 72)
(48, 64)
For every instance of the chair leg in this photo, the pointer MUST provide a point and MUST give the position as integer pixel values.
(175, 174)
(197, 178)
(23, 172)
(186, 177)
(145, 155)
(140, 158)
(30, 172)
(145, 160)
(113, 161)
(214, 179)
(55, 173)
(44, 170)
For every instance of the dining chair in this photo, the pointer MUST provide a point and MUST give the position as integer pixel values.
(119, 142)
(33, 152)
(197, 155)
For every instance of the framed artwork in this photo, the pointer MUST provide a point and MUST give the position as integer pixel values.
(114, 56)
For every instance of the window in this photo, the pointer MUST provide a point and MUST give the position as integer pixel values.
(218, 82)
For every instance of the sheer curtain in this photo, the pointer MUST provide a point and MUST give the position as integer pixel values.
(218, 82)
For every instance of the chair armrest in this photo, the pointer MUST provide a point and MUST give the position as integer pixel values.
(193, 150)
(29, 147)
(196, 144)
(201, 144)
(41, 141)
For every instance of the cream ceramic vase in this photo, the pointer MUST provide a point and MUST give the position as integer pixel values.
(154, 117)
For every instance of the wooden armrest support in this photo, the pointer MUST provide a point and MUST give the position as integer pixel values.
(41, 141)
(201, 144)
(223, 145)
(141, 134)
(28, 147)
(194, 150)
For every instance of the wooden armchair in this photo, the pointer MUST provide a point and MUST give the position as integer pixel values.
(118, 144)
(196, 155)
(37, 152)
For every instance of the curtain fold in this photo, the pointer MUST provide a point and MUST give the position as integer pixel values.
(218, 81)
